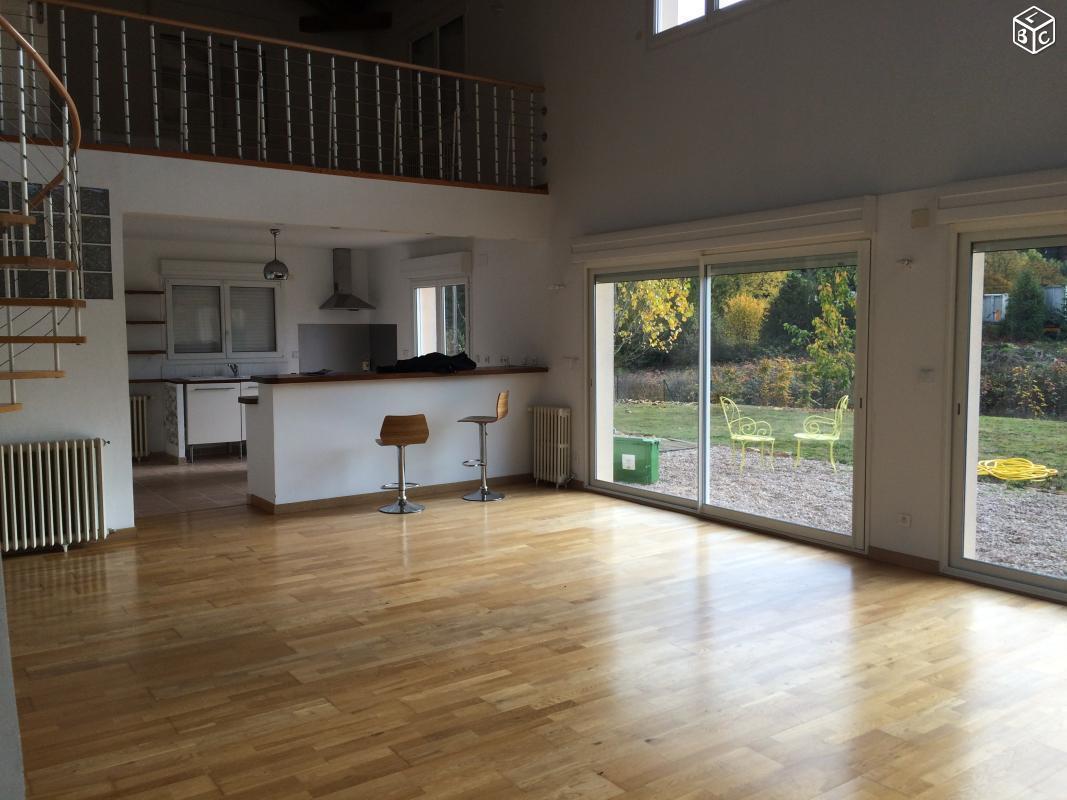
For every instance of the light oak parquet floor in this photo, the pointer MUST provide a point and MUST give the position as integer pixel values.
(556, 645)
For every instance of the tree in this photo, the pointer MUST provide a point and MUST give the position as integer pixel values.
(650, 317)
(1025, 319)
(742, 320)
(831, 343)
(796, 304)
(1003, 267)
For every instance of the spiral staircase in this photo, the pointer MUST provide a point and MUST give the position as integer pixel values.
(41, 290)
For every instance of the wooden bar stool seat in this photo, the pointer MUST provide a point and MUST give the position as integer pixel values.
(400, 432)
(483, 494)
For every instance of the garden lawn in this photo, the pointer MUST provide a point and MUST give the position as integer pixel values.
(679, 421)
(1043, 441)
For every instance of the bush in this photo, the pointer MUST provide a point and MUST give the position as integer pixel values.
(775, 381)
(1024, 380)
(1027, 392)
(742, 320)
(1026, 308)
(679, 385)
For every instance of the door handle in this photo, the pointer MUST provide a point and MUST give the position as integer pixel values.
(214, 389)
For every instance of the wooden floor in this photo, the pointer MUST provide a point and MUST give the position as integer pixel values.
(557, 645)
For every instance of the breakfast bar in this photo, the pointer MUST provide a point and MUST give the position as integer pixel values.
(311, 438)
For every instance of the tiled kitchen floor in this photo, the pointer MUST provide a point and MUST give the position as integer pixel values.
(160, 487)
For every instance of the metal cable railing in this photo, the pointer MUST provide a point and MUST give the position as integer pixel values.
(148, 83)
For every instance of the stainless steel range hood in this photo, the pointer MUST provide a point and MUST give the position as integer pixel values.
(342, 298)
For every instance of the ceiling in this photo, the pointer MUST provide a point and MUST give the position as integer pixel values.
(149, 226)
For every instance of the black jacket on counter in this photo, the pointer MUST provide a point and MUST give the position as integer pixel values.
(432, 362)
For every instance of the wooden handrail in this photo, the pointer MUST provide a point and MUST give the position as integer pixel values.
(226, 32)
(75, 120)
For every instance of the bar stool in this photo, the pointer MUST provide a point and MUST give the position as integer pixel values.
(482, 494)
(399, 432)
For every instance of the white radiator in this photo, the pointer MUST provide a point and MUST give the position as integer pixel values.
(139, 425)
(51, 493)
(552, 444)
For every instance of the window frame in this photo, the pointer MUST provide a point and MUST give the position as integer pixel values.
(438, 283)
(433, 29)
(713, 16)
(227, 352)
(711, 259)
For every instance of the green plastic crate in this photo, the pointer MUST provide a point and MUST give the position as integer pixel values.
(636, 459)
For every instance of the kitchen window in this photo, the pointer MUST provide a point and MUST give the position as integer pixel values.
(222, 319)
(441, 316)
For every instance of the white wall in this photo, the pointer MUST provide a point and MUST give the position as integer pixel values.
(797, 101)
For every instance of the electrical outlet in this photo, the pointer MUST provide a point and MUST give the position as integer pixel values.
(904, 520)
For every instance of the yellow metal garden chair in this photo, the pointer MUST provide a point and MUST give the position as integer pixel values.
(821, 428)
(746, 431)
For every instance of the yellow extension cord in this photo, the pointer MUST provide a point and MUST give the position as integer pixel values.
(1015, 469)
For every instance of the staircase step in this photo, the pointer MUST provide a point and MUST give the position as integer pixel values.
(7, 408)
(42, 340)
(44, 302)
(8, 218)
(36, 262)
(31, 375)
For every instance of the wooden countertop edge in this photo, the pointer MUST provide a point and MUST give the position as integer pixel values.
(191, 381)
(382, 376)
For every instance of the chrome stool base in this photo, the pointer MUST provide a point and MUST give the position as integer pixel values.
(402, 507)
(483, 496)
(401, 484)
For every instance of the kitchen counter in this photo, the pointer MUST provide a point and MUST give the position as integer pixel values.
(312, 438)
(213, 379)
(345, 377)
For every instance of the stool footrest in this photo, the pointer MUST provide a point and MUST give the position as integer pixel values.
(396, 485)
(473, 462)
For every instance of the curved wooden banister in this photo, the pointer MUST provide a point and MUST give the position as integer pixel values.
(57, 84)
(249, 37)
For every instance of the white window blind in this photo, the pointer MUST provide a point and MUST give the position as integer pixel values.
(426, 319)
(252, 323)
(196, 323)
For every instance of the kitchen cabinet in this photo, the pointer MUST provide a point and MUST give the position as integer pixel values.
(212, 413)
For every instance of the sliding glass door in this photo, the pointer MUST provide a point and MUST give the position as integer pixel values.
(646, 351)
(785, 393)
(736, 388)
(1010, 476)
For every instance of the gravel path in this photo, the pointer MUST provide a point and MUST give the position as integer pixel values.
(810, 494)
(1022, 527)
